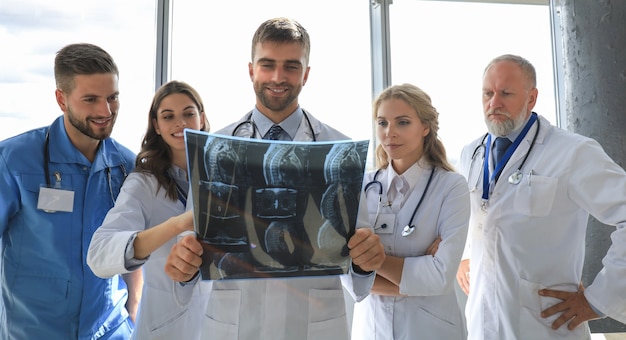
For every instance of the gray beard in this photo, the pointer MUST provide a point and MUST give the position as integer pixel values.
(506, 127)
(500, 128)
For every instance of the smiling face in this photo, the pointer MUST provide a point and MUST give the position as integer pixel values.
(90, 109)
(400, 132)
(176, 112)
(508, 97)
(278, 73)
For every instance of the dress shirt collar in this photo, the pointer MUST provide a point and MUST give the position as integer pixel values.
(290, 125)
(180, 177)
(411, 175)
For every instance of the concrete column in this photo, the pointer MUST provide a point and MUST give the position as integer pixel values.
(593, 34)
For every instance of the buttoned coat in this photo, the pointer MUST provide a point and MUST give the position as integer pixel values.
(531, 235)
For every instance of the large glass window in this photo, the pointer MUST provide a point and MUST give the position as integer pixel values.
(211, 47)
(32, 31)
(444, 46)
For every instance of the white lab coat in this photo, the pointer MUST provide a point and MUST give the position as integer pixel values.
(244, 127)
(428, 308)
(164, 313)
(280, 308)
(532, 235)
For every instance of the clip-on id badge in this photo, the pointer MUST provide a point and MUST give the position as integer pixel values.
(385, 224)
(55, 199)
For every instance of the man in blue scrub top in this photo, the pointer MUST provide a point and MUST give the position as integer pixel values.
(57, 184)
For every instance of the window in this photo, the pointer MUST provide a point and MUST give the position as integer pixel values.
(32, 31)
(444, 46)
(211, 45)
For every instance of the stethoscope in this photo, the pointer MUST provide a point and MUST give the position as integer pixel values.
(477, 151)
(516, 177)
(182, 196)
(410, 227)
(255, 129)
(57, 175)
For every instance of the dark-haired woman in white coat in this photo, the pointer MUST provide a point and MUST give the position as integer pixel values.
(149, 213)
(419, 206)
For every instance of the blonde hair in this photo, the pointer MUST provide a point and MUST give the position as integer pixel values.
(418, 100)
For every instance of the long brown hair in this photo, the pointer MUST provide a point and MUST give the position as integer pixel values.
(155, 156)
(419, 100)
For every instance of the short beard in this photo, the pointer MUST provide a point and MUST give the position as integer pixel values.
(83, 126)
(275, 104)
(506, 127)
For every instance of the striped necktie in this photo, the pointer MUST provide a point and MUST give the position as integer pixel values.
(274, 132)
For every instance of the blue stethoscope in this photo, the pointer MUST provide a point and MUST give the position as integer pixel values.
(410, 227)
(255, 129)
(57, 175)
(485, 145)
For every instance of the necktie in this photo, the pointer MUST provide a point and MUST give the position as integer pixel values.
(499, 148)
(274, 132)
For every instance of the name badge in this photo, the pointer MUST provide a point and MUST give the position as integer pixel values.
(53, 200)
(385, 224)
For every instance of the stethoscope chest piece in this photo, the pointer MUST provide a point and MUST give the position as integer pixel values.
(516, 177)
(408, 230)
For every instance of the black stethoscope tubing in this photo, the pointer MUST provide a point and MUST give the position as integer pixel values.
(480, 146)
(519, 168)
(255, 129)
(408, 229)
(46, 158)
(483, 146)
(46, 168)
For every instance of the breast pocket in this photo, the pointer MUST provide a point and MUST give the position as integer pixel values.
(535, 195)
(383, 223)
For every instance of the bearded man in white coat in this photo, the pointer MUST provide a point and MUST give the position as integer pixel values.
(526, 244)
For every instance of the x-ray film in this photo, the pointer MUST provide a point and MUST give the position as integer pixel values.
(273, 208)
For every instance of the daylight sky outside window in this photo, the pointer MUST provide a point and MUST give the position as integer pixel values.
(212, 48)
(32, 31)
(443, 48)
(439, 46)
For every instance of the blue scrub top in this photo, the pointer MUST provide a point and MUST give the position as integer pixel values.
(48, 291)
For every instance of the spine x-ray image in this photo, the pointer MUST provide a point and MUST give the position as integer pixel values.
(272, 208)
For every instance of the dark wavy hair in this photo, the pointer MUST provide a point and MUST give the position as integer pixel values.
(155, 156)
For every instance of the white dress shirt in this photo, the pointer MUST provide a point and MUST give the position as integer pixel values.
(427, 308)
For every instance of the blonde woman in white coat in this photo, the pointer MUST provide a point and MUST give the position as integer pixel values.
(420, 209)
(148, 215)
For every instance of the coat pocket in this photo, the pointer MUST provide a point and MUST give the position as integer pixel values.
(531, 320)
(222, 314)
(535, 195)
(327, 314)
